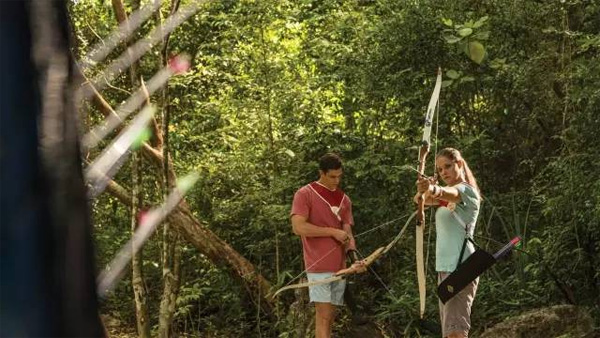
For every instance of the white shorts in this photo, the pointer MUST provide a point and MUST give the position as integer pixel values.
(326, 293)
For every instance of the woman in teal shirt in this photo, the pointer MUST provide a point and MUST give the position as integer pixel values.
(458, 207)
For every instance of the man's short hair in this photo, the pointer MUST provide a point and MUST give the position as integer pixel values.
(330, 161)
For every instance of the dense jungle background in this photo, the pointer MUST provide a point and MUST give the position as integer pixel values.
(275, 84)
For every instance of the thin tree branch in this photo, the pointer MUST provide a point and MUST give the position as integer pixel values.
(157, 139)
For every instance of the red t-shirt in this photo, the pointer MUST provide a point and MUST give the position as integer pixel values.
(315, 202)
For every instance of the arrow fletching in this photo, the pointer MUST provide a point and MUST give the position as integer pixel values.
(99, 132)
(148, 224)
(99, 172)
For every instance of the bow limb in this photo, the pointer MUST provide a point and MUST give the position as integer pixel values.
(349, 271)
(379, 252)
(339, 275)
(400, 234)
(423, 151)
(366, 263)
(307, 284)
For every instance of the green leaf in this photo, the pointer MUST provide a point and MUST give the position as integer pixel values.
(447, 22)
(447, 83)
(451, 73)
(498, 63)
(465, 31)
(482, 35)
(476, 51)
(534, 240)
(480, 22)
(452, 38)
(290, 153)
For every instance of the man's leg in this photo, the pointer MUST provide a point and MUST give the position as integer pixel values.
(326, 297)
(325, 314)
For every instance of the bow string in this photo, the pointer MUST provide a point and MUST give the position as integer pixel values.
(423, 151)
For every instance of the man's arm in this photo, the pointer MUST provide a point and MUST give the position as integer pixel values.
(301, 227)
(358, 266)
(351, 243)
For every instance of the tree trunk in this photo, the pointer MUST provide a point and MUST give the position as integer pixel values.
(209, 244)
(137, 278)
(213, 247)
(274, 166)
(171, 254)
(192, 230)
(171, 280)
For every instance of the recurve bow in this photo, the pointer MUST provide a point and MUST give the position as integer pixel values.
(423, 151)
(341, 274)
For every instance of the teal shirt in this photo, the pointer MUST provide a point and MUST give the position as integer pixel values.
(450, 233)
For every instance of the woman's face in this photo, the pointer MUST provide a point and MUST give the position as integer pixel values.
(449, 170)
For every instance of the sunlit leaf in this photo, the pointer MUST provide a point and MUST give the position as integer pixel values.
(290, 153)
(465, 31)
(476, 51)
(480, 22)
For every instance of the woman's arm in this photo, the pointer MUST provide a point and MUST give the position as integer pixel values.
(448, 194)
(429, 200)
(433, 193)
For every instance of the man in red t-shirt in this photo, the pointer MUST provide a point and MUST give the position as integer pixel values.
(322, 215)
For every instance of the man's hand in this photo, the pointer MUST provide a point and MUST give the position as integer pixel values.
(359, 266)
(340, 236)
(352, 255)
(350, 244)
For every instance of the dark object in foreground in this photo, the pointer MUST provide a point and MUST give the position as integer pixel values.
(47, 271)
(470, 269)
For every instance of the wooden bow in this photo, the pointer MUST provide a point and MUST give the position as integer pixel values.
(341, 274)
(423, 151)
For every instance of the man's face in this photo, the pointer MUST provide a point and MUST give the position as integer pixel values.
(331, 179)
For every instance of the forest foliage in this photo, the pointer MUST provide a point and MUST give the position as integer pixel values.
(275, 84)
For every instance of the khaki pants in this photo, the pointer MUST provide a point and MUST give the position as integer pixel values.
(455, 315)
